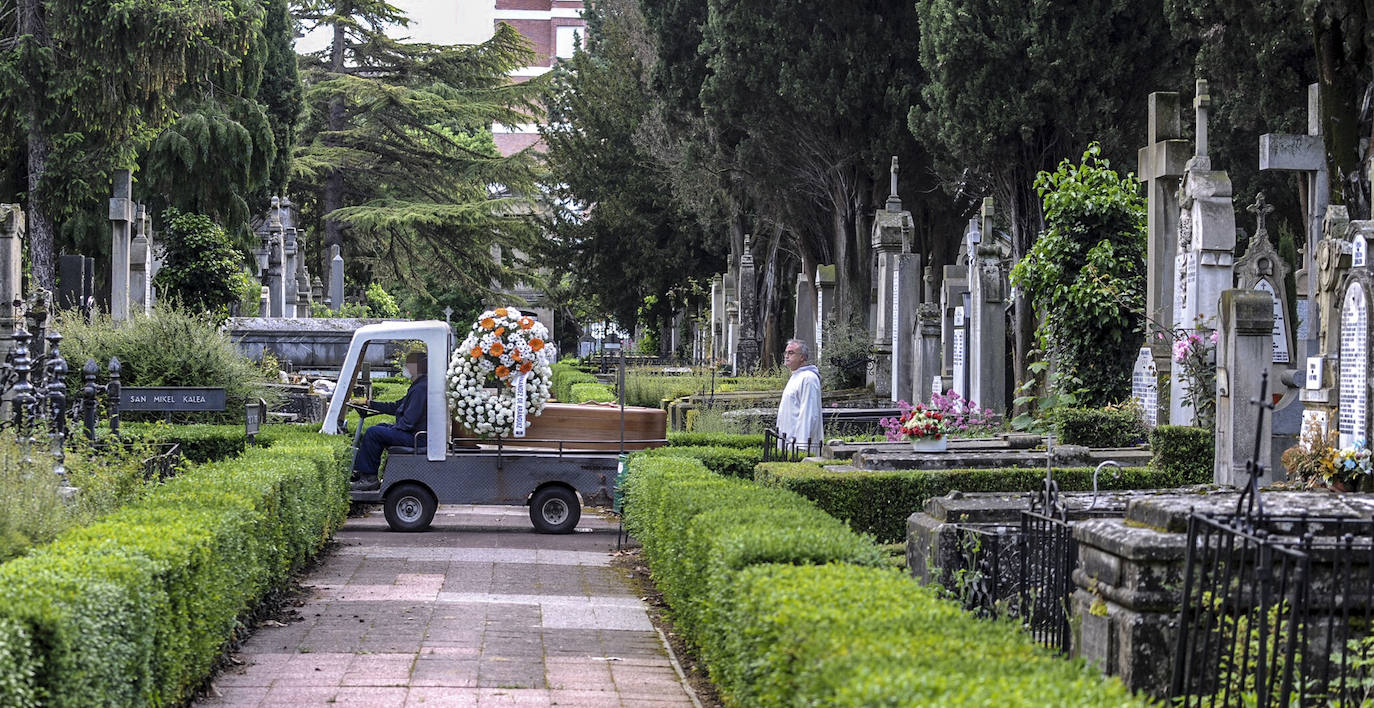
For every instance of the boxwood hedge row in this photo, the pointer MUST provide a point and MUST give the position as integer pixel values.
(879, 502)
(134, 609)
(728, 461)
(788, 607)
(752, 441)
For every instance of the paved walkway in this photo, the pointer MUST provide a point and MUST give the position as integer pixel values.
(478, 611)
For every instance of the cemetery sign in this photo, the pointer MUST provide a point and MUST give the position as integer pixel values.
(171, 399)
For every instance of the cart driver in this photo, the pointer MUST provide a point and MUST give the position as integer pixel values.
(410, 414)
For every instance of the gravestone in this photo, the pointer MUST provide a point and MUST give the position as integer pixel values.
(717, 318)
(1261, 268)
(1354, 363)
(140, 260)
(336, 279)
(1206, 245)
(1305, 155)
(1244, 348)
(898, 276)
(926, 353)
(747, 346)
(121, 230)
(1145, 386)
(804, 324)
(71, 282)
(732, 336)
(12, 231)
(825, 305)
(959, 353)
(953, 289)
(1160, 165)
(987, 348)
(290, 259)
(303, 291)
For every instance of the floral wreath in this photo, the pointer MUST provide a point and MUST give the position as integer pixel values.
(483, 374)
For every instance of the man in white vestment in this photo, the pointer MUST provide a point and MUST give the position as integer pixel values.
(799, 412)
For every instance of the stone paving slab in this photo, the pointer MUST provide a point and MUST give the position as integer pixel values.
(478, 611)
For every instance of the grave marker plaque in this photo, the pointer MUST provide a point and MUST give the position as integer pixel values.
(1281, 353)
(1359, 251)
(959, 357)
(1145, 386)
(1354, 365)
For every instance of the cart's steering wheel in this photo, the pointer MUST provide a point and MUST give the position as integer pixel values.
(363, 411)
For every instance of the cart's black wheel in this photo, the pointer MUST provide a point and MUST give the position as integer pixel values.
(409, 507)
(555, 510)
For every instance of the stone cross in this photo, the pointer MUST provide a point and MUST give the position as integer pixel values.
(140, 259)
(1305, 155)
(1201, 102)
(1261, 268)
(1244, 347)
(804, 327)
(894, 203)
(1206, 251)
(121, 228)
(448, 315)
(987, 353)
(1160, 165)
(336, 278)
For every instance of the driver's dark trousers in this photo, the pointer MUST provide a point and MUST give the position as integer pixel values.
(368, 458)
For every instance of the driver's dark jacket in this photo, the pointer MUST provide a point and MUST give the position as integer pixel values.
(410, 411)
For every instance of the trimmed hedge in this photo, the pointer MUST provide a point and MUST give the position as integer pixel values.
(1099, 427)
(741, 441)
(879, 502)
(135, 609)
(840, 635)
(564, 376)
(788, 607)
(1184, 452)
(591, 392)
(698, 527)
(727, 461)
(205, 442)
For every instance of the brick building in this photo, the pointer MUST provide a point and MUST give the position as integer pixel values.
(553, 27)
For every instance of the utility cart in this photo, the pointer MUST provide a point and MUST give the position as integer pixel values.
(554, 475)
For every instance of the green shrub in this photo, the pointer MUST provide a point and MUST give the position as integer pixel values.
(1099, 427)
(167, 348)
(205, 442)
(592, 392)
(840, 635)
(650, 387)
(697, 528)
(1184, 452)
(727, 461)
(878, 502)
(134, 609)
(200, 266)
(565, 376)
(743, 442)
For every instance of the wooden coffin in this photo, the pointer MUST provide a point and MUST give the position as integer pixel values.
(588, 426)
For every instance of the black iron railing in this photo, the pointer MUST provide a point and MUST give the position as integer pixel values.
(983, 573)
(778, 447)
(1048, 558)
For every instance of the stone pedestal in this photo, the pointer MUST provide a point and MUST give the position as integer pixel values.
(925, 360)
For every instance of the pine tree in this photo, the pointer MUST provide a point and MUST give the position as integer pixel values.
(397, 160)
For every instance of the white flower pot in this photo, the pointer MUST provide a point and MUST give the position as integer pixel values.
(930, 444)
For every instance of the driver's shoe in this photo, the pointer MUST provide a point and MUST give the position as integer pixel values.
(365, 484)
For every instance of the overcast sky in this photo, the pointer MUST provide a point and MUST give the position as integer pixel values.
(435, 21)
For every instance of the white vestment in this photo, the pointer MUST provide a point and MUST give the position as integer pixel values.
(799, 411)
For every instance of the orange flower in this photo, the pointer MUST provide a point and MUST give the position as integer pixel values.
(525, 367)
(500, 312)
(526, 323)
(536, 344)
(502, 372)
(496, 349)
(476, 352)
(515, 354)
(488, 323)
(500, 331)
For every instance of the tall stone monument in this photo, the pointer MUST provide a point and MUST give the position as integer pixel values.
(1244, 348)
(140, 261)
(804, 323)
(1320, 395)
(1160, 165)
(121, 233)
(987, 353)
(898, 288)
(1306, 156)
(748, 347)
(926, 353)
(825, 307)
(1354, 364)
(12, 230)
(336, 279)
(1205, 251)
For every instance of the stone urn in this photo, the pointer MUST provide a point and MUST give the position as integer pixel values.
(939, 444)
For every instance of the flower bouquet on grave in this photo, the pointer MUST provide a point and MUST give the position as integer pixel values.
(1353, 465)
(1312, 462)
(925, 429)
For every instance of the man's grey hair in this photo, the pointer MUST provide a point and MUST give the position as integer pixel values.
(801, 347)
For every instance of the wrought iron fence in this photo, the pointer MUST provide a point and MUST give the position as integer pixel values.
(1048, 558)
(1276, 612)
(778, 447)
(984, 571)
